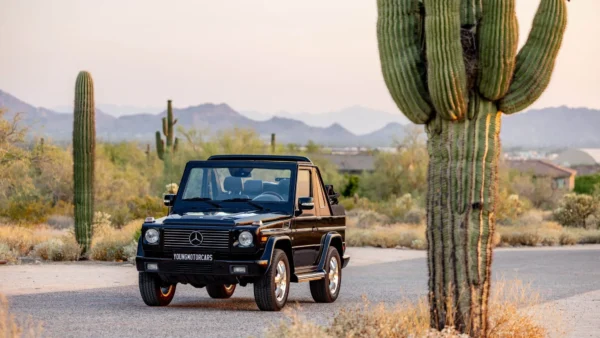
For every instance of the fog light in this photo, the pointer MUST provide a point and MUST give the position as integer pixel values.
(152, 266)
(239, 269)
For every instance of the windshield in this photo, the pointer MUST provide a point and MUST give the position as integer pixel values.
(222, 184)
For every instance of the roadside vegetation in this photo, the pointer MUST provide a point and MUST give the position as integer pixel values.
(511, 315)
(386, 207)
(11, 328)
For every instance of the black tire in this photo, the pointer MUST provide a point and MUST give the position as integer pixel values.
(220, 291)
(265, 289)
(321, 290)
(154, 291)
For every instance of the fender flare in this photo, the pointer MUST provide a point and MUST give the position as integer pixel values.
(267, 256)
(325, 244)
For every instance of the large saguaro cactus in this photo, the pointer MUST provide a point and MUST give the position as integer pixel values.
(453, 66)
(84, 145)
(165, 150)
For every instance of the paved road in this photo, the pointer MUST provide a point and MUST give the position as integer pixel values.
(119, 311)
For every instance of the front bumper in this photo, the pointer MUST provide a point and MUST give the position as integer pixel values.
(168, 266)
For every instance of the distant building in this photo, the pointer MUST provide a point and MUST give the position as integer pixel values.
(562, 178)
(584, 161)
(352, 164)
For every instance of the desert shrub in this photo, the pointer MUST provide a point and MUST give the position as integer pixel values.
(567, 238)
(28, 209)
(415, 216)
(508, 318)
(367, 219)
(8, 254)
(545, 233)
(144, 206)
(64, 248)
(11, 328)
(113, 248)
(574, 210)
(116, 244)
(589, 237)
(511, 208)
(60, 222)
(351, 186)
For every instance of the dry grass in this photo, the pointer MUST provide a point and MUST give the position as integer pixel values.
(509, 317)
(22, 240)
(546, 234)
(367, 228)
(10, 328)
(110, 244)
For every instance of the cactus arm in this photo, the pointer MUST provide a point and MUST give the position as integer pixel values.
(84, 144)
(160, 146)
(446, 72)
(399, 28)
(470, 12)
(498, 40)
(164, 126)
(536, 59)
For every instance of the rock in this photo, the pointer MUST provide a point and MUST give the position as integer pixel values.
(2, 262)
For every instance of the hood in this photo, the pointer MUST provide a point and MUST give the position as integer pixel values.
(222, 218)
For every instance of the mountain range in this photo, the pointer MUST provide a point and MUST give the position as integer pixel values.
(559, 127)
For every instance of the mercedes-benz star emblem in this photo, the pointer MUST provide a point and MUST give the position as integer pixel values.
(196, 238)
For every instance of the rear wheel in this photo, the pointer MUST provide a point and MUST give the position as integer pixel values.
(220, 291)
(327, 289)
(272, 289)
(154, 291)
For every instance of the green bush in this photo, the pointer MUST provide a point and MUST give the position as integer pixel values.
(587, 184)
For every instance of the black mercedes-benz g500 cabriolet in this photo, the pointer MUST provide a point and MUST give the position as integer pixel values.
(237, 219)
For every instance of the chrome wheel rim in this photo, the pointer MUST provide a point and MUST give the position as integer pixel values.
(334, 275)
(280, 281)
(166, 290)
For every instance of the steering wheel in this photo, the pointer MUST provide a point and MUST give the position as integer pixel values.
(272, 193)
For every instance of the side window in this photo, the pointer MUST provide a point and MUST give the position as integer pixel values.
(304, 185)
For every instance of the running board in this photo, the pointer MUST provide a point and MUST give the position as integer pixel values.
(307, 277)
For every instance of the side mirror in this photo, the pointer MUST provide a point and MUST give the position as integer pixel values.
(169, 199)
(306, 203)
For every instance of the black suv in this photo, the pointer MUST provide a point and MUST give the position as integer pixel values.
(238, 219)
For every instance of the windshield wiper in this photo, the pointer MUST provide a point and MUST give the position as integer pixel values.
(247, 200)
(203, 199)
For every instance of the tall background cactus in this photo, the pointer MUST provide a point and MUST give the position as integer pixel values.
(453, 66)
(165, 150)
(84, 145)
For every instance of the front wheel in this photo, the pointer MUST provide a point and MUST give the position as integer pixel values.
(272, 289)
(327, 290)
(220, 291)
(154, 291)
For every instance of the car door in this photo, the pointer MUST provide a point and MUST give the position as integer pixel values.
(303, 246)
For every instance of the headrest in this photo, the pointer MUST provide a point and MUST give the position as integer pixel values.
(253, 187)
(232, 184)
(284, 186)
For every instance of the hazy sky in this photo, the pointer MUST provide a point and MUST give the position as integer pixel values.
(265, 55)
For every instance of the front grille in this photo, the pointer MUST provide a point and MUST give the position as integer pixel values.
(185, 267)
(211, 239)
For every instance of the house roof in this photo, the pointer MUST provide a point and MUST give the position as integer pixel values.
(593, 153)
(352, 162)
(540, 168)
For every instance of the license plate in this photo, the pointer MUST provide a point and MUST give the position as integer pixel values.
(193, 257)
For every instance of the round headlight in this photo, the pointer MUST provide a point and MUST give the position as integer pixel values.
(246, 238)
(151, 236)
